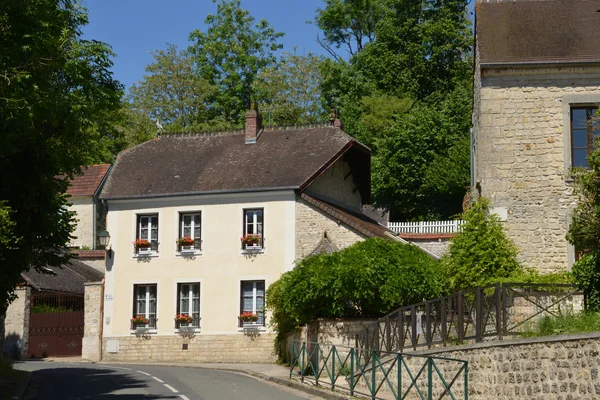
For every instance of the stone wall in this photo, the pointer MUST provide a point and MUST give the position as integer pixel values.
(84, 209)
(558, 367)
(311, 225)
(522, 153)
(16, 328)
(434, 243)
(336, 186)
(92, 329)
(246, 347)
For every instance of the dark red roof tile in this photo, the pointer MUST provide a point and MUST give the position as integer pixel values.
(87, 183)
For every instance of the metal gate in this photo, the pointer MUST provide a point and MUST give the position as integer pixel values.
(56, 324)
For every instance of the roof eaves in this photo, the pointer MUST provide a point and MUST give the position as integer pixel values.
(326, 166)
(162, 195)
(102, 182)
(525, 64)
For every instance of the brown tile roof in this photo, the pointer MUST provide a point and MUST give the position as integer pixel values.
(69, 279)
(87, 183)
(357, 221)
(525, 31)
(324, 247)
(199, 163)
(89, 254)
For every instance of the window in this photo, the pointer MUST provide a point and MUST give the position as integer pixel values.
(253, 300)
(253, 228)
(147, 234)
(144, 305)
(189, 228)
(583, 134)
(188, 303)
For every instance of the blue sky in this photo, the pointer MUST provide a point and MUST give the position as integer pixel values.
(134, 27)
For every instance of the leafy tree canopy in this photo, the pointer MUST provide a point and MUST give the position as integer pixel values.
(231, 54)
(55, 91)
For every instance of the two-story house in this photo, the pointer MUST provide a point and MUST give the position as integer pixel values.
(536, 92)
(201, 224)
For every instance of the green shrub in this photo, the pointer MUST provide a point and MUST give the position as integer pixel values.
(45, 309)
(480, 254)
(368, 279)
(565, 324)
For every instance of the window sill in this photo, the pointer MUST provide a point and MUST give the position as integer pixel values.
(259, 328)
(194, 330)
(188, 253)
(153, 254)
(144, 332)
(253, 250)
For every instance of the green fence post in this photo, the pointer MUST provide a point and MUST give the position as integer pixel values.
(351, 372)
(373, 374)
(429, 378)
(316, 371)
(293, 358)
(466, 380)
(399, 364)
(333, 368)
(302, 367)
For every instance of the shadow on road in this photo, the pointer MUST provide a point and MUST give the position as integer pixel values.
(88, 383)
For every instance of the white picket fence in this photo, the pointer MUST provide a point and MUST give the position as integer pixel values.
(425, 227)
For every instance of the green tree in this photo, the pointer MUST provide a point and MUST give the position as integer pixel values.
(584, 230)
(348, 24)
(480, 254)
(172, 92)
(231, 54)
(367, 279)
(54, 90)
(289, 92)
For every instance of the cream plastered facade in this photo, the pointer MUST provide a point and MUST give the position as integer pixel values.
(219, 268)
(522, 153)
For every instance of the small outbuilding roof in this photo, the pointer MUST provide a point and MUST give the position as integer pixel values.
(537, 31)
(89, 181)
(189, 164)
(68, 279)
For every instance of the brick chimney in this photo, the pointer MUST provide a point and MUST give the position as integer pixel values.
(253, 125)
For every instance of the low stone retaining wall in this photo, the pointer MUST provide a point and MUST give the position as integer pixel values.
(241, 348)
(556, 367)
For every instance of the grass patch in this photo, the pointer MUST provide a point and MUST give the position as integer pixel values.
(564, 324)
(10, 379)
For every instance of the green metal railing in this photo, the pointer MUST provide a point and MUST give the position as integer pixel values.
(379, 374)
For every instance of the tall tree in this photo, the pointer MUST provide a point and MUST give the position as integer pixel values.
(172, 92)
(54, 89)
(348, 25)
(413, 79)
(289, 92)
(230, 55)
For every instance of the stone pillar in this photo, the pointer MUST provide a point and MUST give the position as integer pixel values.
(16, 332)
(92, 332)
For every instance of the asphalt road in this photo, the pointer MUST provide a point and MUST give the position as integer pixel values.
(64, 381)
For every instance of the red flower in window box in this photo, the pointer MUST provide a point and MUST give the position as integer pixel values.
(186, 241)
(250, 239)
(142, 244)
(183, 318)
(248, 317)
(139, 320)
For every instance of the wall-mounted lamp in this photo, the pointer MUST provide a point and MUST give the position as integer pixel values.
(104, 238)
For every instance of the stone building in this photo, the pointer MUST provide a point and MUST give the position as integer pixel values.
(201, 225)
(536, 90)
(90, 213)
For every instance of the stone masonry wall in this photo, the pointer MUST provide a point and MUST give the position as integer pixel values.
(521, 153)
(16, 328)
(312, 223)
(92, 321)
(336, 185)
(84, 209)
(241, 348)
(559, 367)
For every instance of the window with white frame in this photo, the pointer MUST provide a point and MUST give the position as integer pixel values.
(253, 300)
(188, 304)
(253, 228)
(189, 231)
(584, 132)
(147, 233)
(144, 305)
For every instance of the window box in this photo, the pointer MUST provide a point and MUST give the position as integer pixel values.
(144, 308)
(188, 304)
(253, 230)
(252, 301)
(146, 242)
(189, 241)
